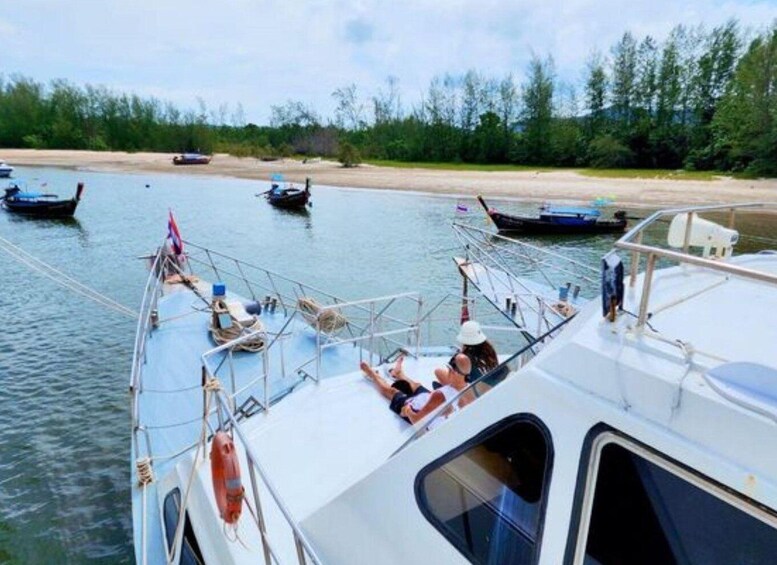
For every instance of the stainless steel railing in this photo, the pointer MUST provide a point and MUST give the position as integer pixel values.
(633, 242)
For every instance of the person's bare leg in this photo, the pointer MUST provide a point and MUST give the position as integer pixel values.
(385, 389)
(398, 373)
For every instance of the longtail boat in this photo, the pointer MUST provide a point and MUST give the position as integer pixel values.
(38, 204)
(288, 196)
(191, 159)
(557, 220)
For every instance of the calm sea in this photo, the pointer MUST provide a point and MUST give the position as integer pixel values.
(64, 361)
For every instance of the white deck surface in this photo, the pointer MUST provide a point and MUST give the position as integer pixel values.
(342, 430)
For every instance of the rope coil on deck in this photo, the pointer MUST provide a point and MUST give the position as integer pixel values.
(144, 470)
(235, 330)
(327, 321)
(212, 385)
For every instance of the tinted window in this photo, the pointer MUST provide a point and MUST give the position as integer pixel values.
(487, 497)
(645, 514)
(190, 551)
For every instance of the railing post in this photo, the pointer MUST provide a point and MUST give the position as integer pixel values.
(232, 380)
(245, 280)
(372, 329)
(266, 369)
(634, 268)
(259, 513)
(212, 264)
(418, 326)
(318, 349)
(645, 298)
(300, 550)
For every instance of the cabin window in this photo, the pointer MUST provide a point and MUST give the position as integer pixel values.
(647, 510)
(487, 497)
(190, 550)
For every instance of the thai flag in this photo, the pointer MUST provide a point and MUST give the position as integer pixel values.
(461, 208)
(174, 235)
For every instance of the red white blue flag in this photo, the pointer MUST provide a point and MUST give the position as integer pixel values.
(174, 235)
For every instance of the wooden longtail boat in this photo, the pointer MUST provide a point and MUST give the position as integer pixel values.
(40, 205)
(191, 159)
(289, 196)
(557, 221)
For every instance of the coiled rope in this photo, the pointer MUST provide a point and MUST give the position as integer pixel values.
(62, 279)
(235, 330)
(327, 321)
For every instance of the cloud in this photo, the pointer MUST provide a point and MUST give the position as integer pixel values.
(264, 52)
(358, 31)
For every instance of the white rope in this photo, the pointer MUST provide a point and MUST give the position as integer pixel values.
(62, 279)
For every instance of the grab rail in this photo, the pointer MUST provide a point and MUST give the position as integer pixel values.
(422, 427)
(303, 545)
(632, 242)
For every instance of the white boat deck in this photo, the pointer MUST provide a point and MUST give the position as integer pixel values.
(320, 465)
(171, 399)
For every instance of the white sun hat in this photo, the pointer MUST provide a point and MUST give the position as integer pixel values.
(470, 334)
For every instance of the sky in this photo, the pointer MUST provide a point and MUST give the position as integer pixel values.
(260, 53)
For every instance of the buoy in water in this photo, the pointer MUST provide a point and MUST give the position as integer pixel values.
(225, 472)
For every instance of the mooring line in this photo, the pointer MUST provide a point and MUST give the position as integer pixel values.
(62, 279)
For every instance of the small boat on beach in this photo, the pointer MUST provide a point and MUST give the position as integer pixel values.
(289, 196)
(557, 220)
(40, 204)
(191, 159)
(5, 170)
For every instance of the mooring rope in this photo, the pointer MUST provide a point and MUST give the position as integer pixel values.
(62, 279)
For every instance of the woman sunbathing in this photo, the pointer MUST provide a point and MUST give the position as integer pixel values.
(410, 399)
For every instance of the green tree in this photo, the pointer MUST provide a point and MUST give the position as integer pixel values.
(746, 121)
(348, 155)
(537, 115)
(595, 95)
(624, 60)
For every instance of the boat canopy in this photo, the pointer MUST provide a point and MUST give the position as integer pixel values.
(28, 195)
(571, 211)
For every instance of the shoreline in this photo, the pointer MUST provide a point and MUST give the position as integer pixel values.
(561, 185)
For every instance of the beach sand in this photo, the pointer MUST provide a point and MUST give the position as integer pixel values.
(559, 186)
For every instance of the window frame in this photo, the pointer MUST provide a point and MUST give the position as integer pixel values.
(601, 436)
(423, 503)
(175, 495)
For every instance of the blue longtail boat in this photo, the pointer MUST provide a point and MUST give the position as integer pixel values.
(557, 220)
(39, 204)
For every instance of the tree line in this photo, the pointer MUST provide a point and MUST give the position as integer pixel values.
(700, 100)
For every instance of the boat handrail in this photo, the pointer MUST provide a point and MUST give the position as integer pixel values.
(304, 548)
(422, 427)
(145, 323)
(632, 241)
(508, 266)
(366, 339)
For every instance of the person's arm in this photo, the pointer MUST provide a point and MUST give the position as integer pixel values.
(436, 400)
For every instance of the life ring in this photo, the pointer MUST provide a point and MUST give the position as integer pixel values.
(225, 471)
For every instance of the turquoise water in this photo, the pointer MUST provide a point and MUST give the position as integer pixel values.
(65, 362)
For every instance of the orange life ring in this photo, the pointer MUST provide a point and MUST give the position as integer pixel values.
(225, 471)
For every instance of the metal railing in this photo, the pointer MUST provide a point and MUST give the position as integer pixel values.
(526, 276)
(376, 326)
(485, 383)
(633, 242)
(304, 548)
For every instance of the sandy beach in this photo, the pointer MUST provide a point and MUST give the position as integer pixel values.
(524, 185)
